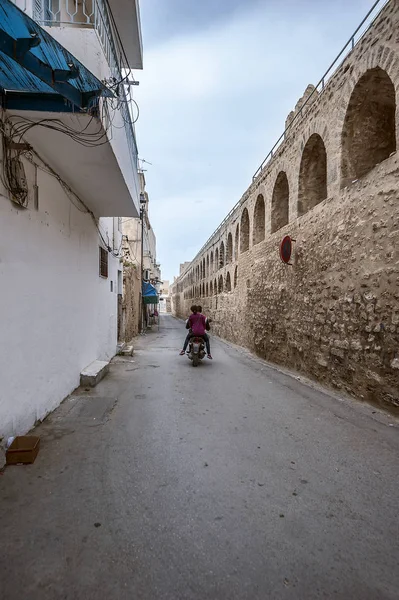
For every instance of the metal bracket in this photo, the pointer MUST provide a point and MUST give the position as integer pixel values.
(17, 146)
(24, 45)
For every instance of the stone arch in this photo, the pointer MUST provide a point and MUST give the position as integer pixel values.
(207, 265)
(369, 132)
(211, 263)
(235, 276)
(216, 259)
(228, 283)
(312, 174)
(221, 255)
(215, 287)
(280, 202)
(203, 290)
(229, 249)
(220, 285)
(258, 234)
(211, 289)
(203, 268)
(237, 242)
(244, 234)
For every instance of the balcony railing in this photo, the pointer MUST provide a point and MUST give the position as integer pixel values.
(94, 14)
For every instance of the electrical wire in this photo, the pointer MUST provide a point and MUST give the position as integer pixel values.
(16, 128)
(29, 155)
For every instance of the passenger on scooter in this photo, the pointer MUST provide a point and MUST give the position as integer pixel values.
(197, 325)
(206, 336)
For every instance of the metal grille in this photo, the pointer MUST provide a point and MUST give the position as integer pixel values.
(103, 262)
(83, 13)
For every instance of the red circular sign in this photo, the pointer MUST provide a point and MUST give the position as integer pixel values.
(286, 249)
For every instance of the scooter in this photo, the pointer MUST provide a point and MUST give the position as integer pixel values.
(196, 350)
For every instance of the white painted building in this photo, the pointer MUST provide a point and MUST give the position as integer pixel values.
(75, 172)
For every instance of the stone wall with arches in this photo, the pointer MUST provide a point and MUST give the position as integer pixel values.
(333, 186)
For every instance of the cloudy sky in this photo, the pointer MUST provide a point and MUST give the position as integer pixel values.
(219, 78)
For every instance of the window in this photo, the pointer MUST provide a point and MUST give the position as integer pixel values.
(229, 249)
(244, 238)
(103, 263)
(368, 135)
(221, 255)
(259, 220)
(312, 175)
(280, 201)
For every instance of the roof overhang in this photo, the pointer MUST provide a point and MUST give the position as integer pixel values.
(33, 61)
(94, 175)
(126, 14)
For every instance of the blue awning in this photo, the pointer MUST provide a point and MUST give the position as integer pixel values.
(150, 295)
(149, 290)
(33, 62)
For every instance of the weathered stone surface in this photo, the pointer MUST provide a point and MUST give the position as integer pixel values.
(332, 314)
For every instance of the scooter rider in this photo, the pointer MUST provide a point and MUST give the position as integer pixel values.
(197, 325)
(206, 336)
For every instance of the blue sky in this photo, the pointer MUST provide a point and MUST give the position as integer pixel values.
(219, 78)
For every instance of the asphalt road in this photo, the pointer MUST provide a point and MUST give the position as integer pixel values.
(228, 481)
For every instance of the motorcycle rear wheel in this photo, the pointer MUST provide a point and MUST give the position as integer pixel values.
(195, 360)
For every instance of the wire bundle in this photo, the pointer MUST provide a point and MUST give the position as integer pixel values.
(13, 176)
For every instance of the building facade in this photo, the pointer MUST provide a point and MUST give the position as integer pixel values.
(331, 184)
(69, 160)
(165, 299)
(140, 260)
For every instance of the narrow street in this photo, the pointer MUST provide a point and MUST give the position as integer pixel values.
(229, 481)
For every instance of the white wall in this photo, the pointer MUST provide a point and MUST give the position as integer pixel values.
(56, 314)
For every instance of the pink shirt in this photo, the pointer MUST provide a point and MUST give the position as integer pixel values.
(197, 323)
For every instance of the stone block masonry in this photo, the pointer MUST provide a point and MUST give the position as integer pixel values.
(333, 185)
